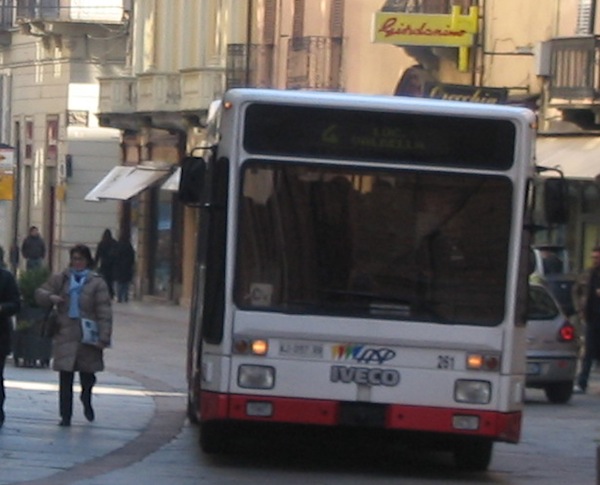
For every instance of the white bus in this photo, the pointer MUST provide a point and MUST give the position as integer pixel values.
(362, 262)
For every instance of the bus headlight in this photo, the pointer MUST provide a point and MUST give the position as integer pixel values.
(472, 392)
(256, 376)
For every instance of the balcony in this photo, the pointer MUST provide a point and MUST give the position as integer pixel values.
(315, 63)
(158, 92)
(573, 76)
(118, 94)
(254, 70)
(96, 11)
(425, 6)
(199, 87)
(117, 102)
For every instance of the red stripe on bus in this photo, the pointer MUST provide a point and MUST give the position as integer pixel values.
(493, 424)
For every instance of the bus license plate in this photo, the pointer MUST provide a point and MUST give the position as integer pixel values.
(363, 414)
(533, 369)
(291, 348)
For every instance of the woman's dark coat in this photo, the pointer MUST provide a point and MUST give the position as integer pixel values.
(95, 304)
(10, 300)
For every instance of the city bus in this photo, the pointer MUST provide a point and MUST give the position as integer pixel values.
(362, 263)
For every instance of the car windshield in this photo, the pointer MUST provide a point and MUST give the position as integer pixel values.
(383, 244)
(541, 306)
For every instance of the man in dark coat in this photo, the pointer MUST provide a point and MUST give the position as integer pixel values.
(105, 259)
(10, 304)
(586, 296)
(124, 266)
(33, 249)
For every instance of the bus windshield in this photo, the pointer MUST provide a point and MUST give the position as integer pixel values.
(373, 243)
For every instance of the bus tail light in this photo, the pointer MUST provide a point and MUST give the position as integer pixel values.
(256, 376)
(251, 346)
(486, 362)
(472, 392)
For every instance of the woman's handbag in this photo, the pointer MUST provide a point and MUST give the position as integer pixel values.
(50, 323)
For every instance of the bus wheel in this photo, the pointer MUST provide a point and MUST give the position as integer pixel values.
(474, 455)
(214, 438)
(560, 392)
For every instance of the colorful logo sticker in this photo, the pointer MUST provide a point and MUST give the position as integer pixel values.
(362, 353)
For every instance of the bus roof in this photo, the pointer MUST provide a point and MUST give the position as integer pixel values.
(381, 102)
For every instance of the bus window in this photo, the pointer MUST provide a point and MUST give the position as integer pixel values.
(348, 241)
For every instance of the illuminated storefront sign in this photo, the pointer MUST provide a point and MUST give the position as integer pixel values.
(454, 30)
(459, 92)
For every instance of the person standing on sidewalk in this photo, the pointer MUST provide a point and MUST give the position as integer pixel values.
(78, 292)
(105, 259)
(33, 249)
(586, 296)
(10, 304)
(124, 266)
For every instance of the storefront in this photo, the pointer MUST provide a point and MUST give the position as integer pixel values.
(577, 157)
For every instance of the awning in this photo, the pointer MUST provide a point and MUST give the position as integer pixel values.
(124, 182)
(577, 156)
(172, 183)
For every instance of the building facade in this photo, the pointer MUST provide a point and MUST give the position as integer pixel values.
(51, 54)
(103, 103)
(184, 55)
(522, 53)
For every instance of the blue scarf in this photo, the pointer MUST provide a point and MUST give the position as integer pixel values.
(78, 279)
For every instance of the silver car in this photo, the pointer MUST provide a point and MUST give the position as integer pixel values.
(552, 346)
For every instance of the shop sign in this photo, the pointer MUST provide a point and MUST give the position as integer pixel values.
(454, 30)
(6, 173)
(463, 92)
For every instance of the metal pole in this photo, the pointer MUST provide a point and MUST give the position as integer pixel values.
(14, 248)
(248, 40)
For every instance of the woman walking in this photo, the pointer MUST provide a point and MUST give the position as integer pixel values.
(10, 304)
(78, 293)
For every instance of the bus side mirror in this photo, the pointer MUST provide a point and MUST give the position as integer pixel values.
(191, 183)
(556, 201)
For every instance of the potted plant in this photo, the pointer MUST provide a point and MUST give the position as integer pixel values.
(30, 348)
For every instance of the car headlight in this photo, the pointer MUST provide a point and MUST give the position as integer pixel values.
(256, 376)
(472, 391)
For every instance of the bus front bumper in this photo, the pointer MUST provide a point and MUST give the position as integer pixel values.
(495, 425)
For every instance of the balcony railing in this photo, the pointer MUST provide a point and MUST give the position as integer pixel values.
(158, 92)
(574, 75)
(63, 11)
(425, 6)
(315, 63)
(255, 70)
(118, 94)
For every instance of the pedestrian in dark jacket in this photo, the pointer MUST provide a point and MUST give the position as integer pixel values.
(33, 249)
(10, 304)
(79, 293)
(124, 266)
(105, 259)
(586, 296)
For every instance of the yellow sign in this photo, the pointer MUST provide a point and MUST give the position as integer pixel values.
(454, 30)
(6, 186)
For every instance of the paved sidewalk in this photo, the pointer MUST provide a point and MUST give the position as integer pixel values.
(139, 402)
